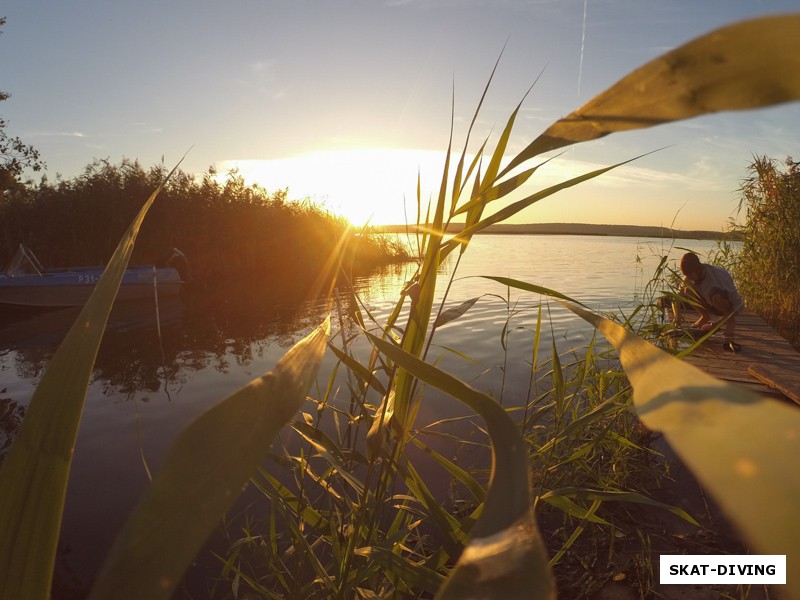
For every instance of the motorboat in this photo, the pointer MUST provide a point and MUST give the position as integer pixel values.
(25, 283)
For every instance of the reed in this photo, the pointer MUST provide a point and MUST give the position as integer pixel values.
(225, 228)
(355, 519)
(767, 268)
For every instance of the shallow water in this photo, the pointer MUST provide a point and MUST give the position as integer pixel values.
(146, 388)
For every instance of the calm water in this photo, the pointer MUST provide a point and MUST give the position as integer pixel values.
(146, 388)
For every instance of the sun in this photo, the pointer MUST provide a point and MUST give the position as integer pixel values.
(364, 185)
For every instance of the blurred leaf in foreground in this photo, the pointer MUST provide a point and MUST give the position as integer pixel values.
(34, 475)
(742, 447)
(745, 65)
(204, 471)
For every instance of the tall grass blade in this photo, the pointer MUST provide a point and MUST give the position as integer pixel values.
(203, 472)
(421, 305)
(515, 207)
(451, 314)
(505, 557)
(33, 477)
(412, 573)
(745, 65)
(741, 446)
(475, 166)
(487, 190)
(363, 373)
(459, 474)
(304, 511)
(330, 452)
(573, 509)
(530, 287)
(498, 191)
(453, 533)
(457, 185)
(616, 496)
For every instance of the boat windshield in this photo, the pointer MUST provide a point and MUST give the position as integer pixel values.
(24, 263)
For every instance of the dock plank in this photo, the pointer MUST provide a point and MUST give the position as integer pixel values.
(767, 364)
(786, 383)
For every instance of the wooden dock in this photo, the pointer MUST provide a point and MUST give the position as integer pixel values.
(767, 364)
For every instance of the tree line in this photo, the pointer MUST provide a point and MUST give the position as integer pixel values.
(224, 227)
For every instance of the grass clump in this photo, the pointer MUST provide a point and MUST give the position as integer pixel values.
(336, 504)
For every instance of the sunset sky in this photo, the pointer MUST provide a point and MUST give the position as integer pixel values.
(345, 102)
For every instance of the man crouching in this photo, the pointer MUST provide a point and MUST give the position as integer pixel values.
(711, 291)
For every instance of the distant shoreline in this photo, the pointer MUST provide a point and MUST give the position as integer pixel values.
(581, 229)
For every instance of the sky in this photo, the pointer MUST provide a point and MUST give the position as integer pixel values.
(346, 103)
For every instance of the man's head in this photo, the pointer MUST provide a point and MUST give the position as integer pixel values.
(691, 267)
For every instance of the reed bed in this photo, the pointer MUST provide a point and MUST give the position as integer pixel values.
(767, 269)
(584, 449)
(225, 228)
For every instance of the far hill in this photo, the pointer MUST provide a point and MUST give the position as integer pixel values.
(584, 229)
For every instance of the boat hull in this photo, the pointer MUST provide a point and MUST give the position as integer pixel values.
(73, 288)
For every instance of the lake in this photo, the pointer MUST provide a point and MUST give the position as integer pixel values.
(152, 378)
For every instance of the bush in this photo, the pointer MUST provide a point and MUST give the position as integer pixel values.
(767, 271)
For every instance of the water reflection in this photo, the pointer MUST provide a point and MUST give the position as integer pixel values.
(11, 415)
(153, 376)
(146, 346)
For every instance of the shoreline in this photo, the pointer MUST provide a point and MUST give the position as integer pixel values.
(579, 229)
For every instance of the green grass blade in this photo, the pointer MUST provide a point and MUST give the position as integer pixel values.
(453, 533)
(615, 496)
(505, 557)
(328, 450)
(34, 475)
(559, 385)
(742, 447)
(490, 177)
(530, 287)
(457, 186)
(476, 162)
(515, 207)
(745, 65)
(421, 305)
(303, 510)
(412, 573)
(576, 533)
(501, 190)
(451, 314)
(363, 373)
(462, 475)
(203, 472)
(473, 214)
(568, 506)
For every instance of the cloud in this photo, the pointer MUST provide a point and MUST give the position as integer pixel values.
(264, 67)
(261, 77)
(76, 134)
(631, 176)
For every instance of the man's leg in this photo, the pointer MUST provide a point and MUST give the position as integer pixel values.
(722, 305)
(687, 296)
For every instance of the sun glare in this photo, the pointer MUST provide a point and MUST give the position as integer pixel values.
(379, 186)
(364, 185)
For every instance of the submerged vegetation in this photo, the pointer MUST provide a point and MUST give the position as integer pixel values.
(350, 515)
(225, 229)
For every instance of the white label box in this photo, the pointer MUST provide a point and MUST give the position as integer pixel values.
(723, 568)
